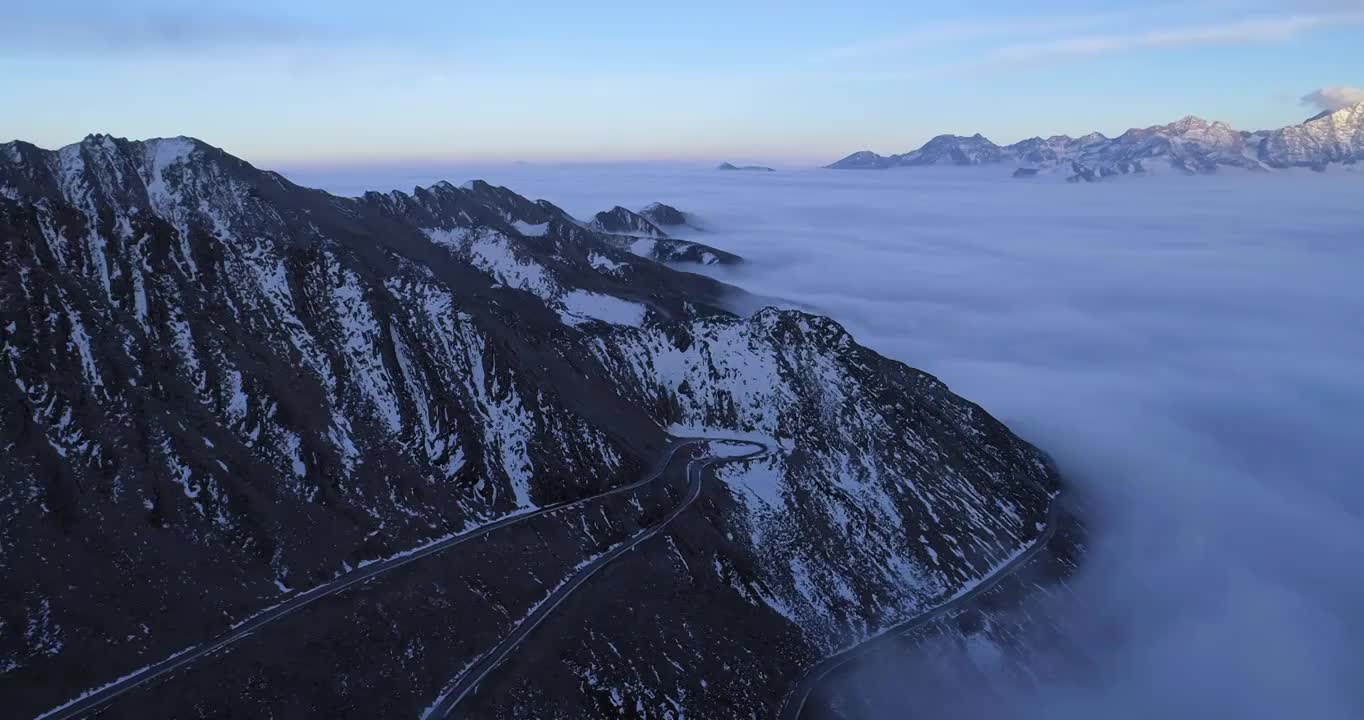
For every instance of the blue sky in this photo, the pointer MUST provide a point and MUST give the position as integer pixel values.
(748, 80)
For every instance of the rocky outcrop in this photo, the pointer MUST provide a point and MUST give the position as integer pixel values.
(620, 221)
(665, 215)
(637, 234)
(744, 168)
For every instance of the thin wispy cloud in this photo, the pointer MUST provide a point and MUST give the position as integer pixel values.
(936, 34)
(985, 42)
(1251, 31)
(34, 28)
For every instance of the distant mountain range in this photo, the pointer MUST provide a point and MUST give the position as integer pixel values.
(1191, 145)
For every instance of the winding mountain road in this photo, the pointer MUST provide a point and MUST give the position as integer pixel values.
(94, 699)
(468, 680)
(794, 702)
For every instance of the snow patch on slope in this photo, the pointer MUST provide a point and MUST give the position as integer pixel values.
(580, 306)
(530, 230)
(494, 255)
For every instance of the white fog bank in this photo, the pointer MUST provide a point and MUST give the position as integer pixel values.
(1191, 350)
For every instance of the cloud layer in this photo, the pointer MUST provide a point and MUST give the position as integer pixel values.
(1188, 350)
(1250, 31)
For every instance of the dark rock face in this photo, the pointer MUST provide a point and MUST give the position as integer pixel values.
(665, 215)
(1191, 146)
(620, 221)
(1025, 172)
(1082, 173)
(220, 388)
(639, 235)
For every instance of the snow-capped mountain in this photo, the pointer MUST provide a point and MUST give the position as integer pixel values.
(1336, 137)
(1190, 145)
(954, 150)
(864, 160)
(221, 388)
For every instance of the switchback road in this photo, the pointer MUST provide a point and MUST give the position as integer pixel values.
(96, 698)
(468, 680)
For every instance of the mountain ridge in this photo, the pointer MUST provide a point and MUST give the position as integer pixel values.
(222, 388)
(1190, 145)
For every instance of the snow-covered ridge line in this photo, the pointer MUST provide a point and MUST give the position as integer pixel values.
(1190, 145)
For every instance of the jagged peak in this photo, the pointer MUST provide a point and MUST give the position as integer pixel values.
(859, 157)
(1344, 113)
(442, 188)
(661, 214)
(1191, 144)
(784, 320)
(109, 141)
(1190, 120)
(949, 139)
(623, 213)
(624, 220)
(1193, 122)
(863, 155)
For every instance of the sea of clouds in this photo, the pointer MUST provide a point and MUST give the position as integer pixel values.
(1190, 350)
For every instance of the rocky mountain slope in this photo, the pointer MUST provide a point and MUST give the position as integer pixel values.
(641, 234)
(221, 388)
(667, 216)
(1191, 145)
